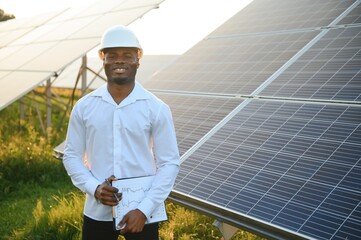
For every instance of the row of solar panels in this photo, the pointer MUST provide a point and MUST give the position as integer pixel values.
(268, 117)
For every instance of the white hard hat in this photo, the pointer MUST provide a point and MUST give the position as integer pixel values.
(119, 36)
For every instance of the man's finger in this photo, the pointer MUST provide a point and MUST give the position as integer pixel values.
(123, 225)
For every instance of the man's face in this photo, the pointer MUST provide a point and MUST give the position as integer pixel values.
(120, 64)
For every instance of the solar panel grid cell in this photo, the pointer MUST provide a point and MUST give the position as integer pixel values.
(331, 173)
(347, 153)
(352, 179)
(280, 163)
(321, 225)
(298, 213)
(312, 194)
(204, 189)
(262, 209)
(321, 149)
(341, 202)
(349, 230)
(223, 194)
(304, 166)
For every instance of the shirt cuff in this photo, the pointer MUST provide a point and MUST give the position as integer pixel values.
(91, 186)
(146, 207)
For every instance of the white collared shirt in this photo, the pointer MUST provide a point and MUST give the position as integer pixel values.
(132, 139)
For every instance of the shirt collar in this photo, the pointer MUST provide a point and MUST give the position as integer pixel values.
(138, 93)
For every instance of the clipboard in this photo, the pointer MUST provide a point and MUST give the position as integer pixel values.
(133, 192)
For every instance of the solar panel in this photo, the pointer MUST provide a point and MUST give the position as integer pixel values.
(64, 38)
(282, 15)
(329, 70)
(230, 65)
(285, 164)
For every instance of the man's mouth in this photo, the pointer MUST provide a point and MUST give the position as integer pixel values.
(119, 69)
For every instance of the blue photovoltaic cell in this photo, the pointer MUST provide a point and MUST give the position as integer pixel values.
(329, 70)
(271, 162)
(352, 180)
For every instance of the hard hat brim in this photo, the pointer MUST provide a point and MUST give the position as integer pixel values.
(101, 53)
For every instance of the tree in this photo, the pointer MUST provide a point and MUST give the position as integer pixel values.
(5, 16)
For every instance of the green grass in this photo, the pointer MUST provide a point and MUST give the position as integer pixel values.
(37, 198)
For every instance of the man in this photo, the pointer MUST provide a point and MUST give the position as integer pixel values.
(120, 130)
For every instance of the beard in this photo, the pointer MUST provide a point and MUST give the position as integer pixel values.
(121, 80)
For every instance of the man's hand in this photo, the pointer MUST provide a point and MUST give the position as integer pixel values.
(133, 221)
(105, 193)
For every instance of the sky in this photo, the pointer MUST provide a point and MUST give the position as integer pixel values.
(173, 28)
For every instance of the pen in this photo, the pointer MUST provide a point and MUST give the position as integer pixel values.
(109, 184)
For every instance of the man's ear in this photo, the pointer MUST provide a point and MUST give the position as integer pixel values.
(101, 55)
(140, 53)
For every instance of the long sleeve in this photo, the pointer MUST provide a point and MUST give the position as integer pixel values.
(167, 161)
(75, 152)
